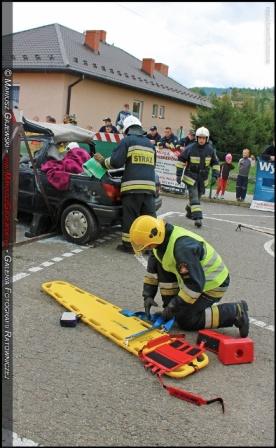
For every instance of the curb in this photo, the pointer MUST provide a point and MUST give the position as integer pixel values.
(206, 199)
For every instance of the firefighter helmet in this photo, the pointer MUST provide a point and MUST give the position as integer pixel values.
(130, 121)
(146, 230)
(203, 132)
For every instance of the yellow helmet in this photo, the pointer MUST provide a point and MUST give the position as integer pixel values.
(146, 230)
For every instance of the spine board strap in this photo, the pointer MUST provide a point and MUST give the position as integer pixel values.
(188, 396)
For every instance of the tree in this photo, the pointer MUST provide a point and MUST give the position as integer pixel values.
(251, 125)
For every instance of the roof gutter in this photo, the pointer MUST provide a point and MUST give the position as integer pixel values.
(69, 93)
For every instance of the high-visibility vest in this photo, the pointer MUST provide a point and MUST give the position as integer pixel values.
(214, 269)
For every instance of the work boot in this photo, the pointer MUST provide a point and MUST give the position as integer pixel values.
(242, 319)
(198, 223)
(125, 248)
(188, 212)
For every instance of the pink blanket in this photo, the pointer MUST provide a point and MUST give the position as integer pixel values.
(58, 172)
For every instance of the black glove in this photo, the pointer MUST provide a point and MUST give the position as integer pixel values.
(168, 313)
(148, 303)
(170, 310)
(178, 179)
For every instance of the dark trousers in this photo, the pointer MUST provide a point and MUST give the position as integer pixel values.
(194, 210)
(241, 187)
(134, 205)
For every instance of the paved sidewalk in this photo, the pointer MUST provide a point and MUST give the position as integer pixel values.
(229, 197)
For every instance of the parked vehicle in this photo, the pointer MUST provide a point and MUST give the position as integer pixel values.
(79, 212)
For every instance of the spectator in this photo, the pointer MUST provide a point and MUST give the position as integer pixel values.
(269, 153)
(50, 119)
(121, 117)
(225, 169)
(242, 179)
(190, 138)
(169, 140)
(153, 135)
(108, 124)
(70, 119)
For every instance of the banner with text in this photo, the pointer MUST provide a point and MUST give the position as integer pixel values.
(166, 170)
(264, 195)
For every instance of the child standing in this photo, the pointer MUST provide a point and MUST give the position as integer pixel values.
(225, 169)
(242, 179)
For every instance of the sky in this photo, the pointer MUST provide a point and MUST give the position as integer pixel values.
(212, 44)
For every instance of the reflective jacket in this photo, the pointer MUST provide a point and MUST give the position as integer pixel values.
(139, 157)
(206, 270)
(197, 159)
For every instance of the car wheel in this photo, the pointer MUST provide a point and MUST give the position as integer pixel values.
(78, 224)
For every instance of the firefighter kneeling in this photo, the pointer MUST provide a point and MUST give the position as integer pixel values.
(191, 275)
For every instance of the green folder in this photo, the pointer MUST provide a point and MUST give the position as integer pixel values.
(93, 168)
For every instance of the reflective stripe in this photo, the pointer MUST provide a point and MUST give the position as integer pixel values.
(215, 316)
(215, 294)
(179, 165)
(207, 161)
(132, 149)
(150, 280)
(214, 273)
(191, 293)
(195, 159)
(221, 288)
(188, 180)
(136, 182)
(125, 237)
(186, 297)
(152, 275)
(137, 187)
(168, 285)
(216, 168)
(208, 318)
(196, 208)
(107, 163)
(209, 262)
(169, 292)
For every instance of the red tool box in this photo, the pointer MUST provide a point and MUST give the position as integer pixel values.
(229, 350)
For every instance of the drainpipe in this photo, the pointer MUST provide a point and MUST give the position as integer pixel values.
(69, 93)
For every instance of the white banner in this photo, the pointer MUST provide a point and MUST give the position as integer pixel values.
(166, 170)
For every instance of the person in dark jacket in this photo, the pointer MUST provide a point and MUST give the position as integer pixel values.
(169, 140)
(122, 115)
(269, 153)
(197, 160)
(153, 135)
(108, 123)
(191, 275)
(225, 169)
(138, 186)
(190, 138)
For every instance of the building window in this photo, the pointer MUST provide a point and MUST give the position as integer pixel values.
(162, 112)
(15, 95)
(155, 111)
(137, 109)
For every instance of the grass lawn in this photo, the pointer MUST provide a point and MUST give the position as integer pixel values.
(231, 186)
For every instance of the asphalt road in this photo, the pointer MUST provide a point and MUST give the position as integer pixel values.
(74, 387)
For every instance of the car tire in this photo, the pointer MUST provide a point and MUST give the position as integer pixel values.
(78, 224)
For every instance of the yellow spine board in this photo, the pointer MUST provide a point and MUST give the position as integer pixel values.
(107, 320)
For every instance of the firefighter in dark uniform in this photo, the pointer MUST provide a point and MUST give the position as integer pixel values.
(191, 275)
(138, 187)
(197, 159)
(169, 140)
